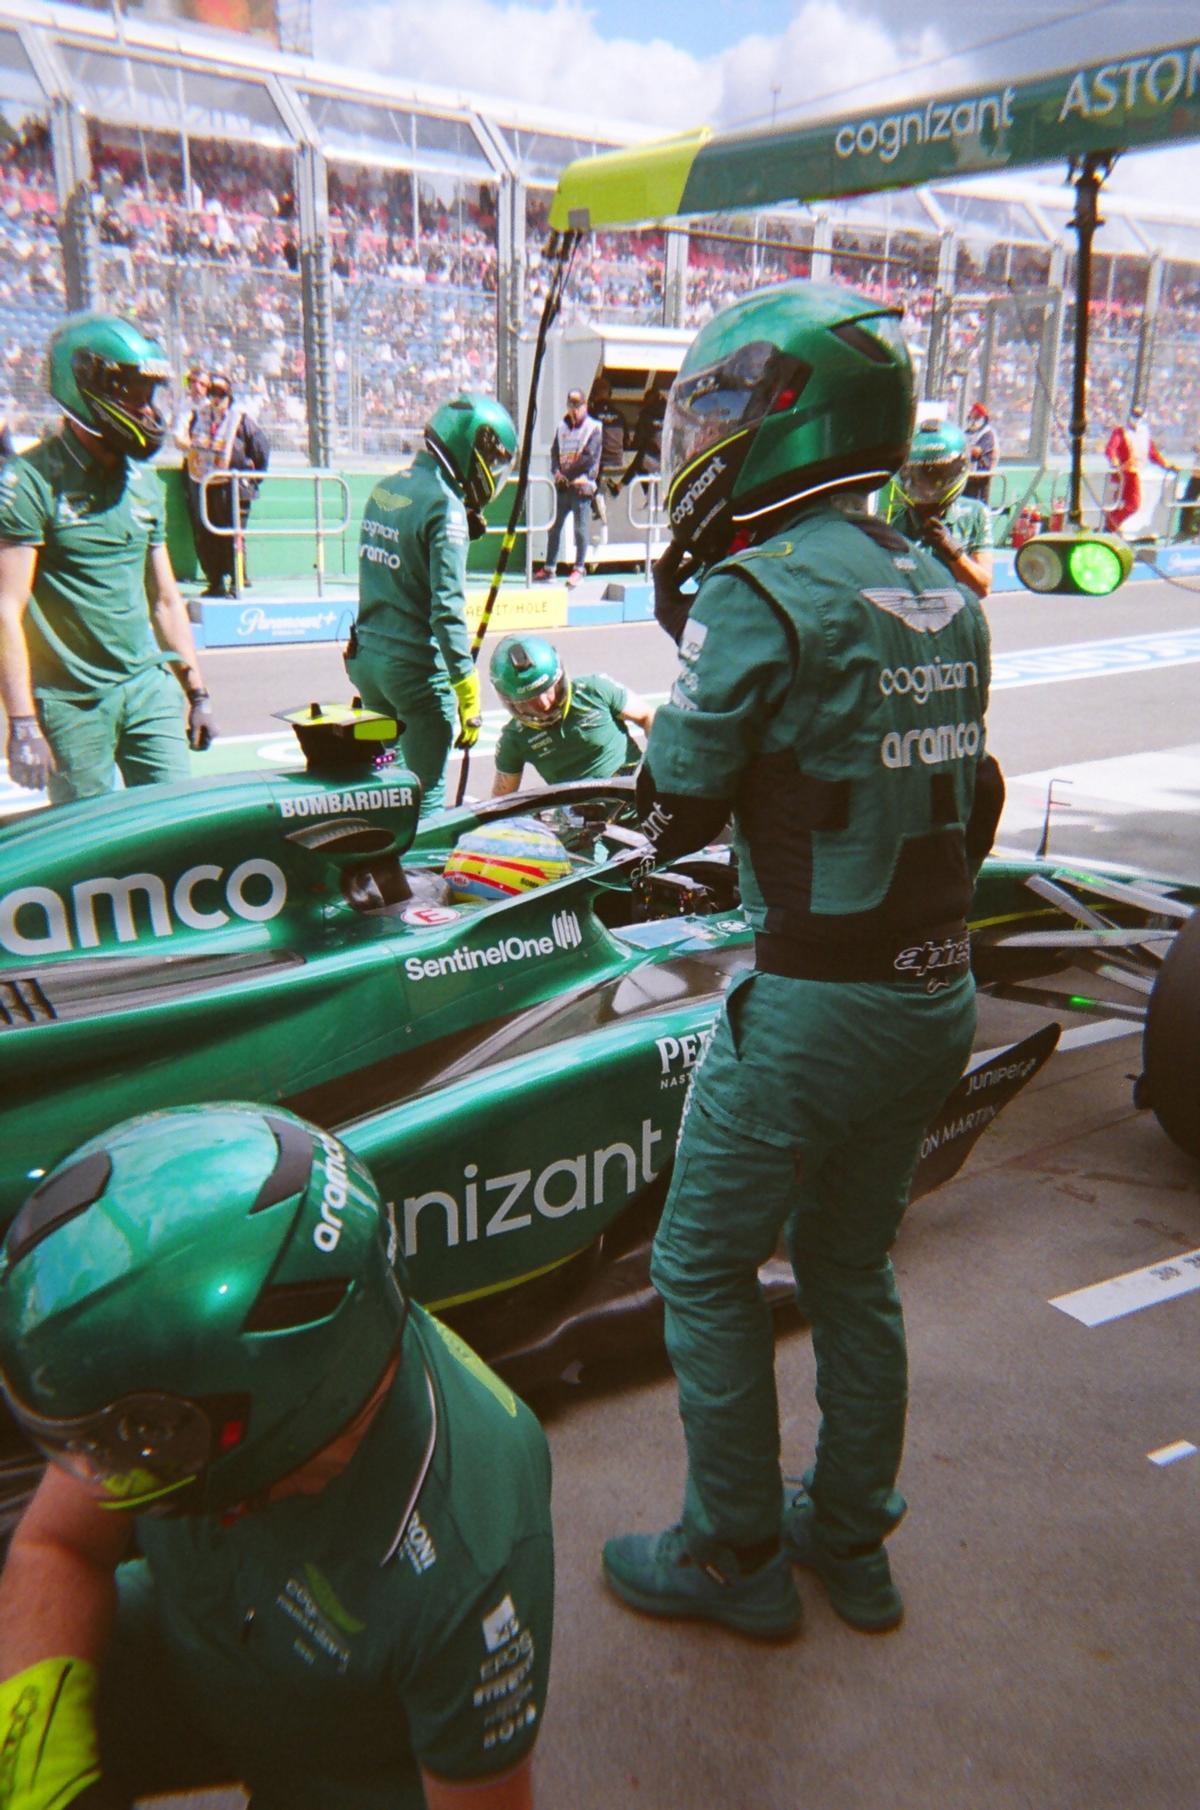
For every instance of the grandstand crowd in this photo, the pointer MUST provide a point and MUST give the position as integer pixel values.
(198, 244)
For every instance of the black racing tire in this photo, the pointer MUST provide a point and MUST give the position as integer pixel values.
(1170, 1081)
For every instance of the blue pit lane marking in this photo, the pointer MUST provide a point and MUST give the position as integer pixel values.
(1094, 659)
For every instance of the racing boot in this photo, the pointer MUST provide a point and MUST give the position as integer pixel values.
(657, 1574)
(859, 1585)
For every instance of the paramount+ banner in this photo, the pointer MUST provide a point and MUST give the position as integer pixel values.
(1133, 102)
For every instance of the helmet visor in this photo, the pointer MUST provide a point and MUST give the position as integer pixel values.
(926, 483)
(710, 406)
(546, 706)
(122, 396)
(489, 467)
(137, 1453)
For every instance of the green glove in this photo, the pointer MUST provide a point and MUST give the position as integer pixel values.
(49, 1755)
(470, 711)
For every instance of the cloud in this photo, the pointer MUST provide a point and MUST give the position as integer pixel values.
(558, 57)
(551, 57)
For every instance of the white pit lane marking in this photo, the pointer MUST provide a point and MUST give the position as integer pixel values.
(1128, 1294)
(1171, 1454)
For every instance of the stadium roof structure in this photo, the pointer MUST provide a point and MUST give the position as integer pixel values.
(1009, 209)
(172, 77)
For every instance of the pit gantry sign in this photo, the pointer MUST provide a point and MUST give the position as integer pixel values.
(1084, 115)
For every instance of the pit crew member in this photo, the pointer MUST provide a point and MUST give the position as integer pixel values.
(575, 454)
(831, 692)
(91, 617)
(409, 654)
(343, 1591)
(928, 505)
(983, 449)
(565, 728)
(1128, 449)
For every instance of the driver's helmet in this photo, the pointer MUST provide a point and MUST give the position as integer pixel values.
(195, 1303)
(103, 372)
(936, 468)
(474, 441)
(529, 678)
(503, 860)
(793, 392)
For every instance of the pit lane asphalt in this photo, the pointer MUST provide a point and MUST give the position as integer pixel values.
(1048, 1656)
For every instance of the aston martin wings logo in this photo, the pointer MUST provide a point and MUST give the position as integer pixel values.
(926, 613)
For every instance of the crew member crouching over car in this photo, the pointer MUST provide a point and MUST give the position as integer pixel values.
(564, 728)
(344, 1589)
(863, 802)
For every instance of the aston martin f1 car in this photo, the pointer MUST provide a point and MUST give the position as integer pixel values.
(512, 1067)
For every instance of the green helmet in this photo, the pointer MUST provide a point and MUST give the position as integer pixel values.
(936, 468)
(792, 392)
(103, 373)
(474, 441)
(524, 669)
(196, 1303)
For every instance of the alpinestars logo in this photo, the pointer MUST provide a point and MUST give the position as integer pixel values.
(926, 613)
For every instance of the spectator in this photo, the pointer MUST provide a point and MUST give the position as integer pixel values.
(984, 451)
(186, 421)
(1189, 518)
(647, 434)
(603, 409)
(575, 464)
(213, 434)
(1121, 453)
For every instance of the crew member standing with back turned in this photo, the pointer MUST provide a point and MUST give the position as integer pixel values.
(831, 692)
(409, 653)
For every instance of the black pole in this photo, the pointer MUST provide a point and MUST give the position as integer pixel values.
(1088, 175)
(564, 250)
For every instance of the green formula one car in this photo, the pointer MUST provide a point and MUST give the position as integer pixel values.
(499, 1010)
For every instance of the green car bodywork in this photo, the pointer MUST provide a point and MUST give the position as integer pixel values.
(513, 1073)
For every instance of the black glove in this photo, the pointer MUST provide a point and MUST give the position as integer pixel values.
(476, 524)
(30, 756)
(938, 538)
(201, 724)
(671, 606)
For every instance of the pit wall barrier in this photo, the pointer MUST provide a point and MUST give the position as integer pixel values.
(281, 609)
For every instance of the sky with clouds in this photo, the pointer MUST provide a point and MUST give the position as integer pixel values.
(669, 64)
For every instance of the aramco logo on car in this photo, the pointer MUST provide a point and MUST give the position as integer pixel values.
(565, 933)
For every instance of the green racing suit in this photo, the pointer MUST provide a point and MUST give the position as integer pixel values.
(322, 1654)
(966, 518)
(832, 690)
(410, 644)
(590, 741)
(100, 679)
